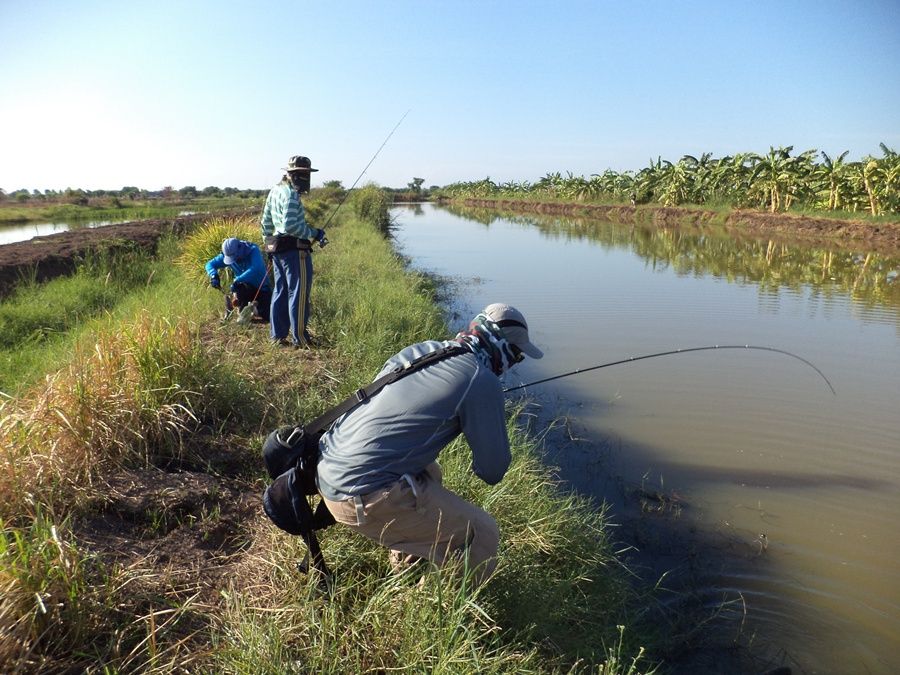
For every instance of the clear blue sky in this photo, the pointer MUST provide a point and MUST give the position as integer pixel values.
(100, 94)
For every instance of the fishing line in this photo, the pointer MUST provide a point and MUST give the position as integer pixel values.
(675, 351)
(362, 173)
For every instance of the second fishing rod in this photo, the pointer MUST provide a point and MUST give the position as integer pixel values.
(324, 241)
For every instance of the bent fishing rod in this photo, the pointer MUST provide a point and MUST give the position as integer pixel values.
(668, 353)
(362, 173)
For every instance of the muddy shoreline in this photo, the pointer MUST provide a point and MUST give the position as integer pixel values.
(881, 237)
(45, 257)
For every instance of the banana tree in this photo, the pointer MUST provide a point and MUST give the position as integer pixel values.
(890, 167)
(675, 181)
(700, 175)
(834, 176)
(778, 177)
(648, 181)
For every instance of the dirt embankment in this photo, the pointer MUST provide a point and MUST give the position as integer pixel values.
(883, 237)
(53, 255)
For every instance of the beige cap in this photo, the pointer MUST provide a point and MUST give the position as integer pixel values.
(514, 327)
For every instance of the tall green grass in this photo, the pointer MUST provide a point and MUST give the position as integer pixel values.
(39, 322)
(130, 398)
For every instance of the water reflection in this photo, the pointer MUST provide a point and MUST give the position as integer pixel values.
(866, 277)
(10, 234)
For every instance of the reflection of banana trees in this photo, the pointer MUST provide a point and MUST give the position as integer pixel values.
(871, 278)
(777, 181)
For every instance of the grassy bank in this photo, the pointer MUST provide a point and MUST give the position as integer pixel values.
(132, 534)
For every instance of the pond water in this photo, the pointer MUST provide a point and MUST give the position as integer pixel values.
(771, 502)
(24, 231)
(11, 233)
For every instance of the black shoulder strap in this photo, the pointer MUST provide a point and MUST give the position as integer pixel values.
(321, 423)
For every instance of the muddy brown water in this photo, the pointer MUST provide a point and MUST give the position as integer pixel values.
(768, 501)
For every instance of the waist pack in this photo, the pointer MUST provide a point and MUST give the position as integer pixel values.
(291, 454)
(279, 243)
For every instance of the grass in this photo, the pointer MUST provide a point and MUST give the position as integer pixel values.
(158, 379)
(39, 322)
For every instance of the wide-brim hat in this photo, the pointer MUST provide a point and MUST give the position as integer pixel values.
(514, 327)
(299, 163)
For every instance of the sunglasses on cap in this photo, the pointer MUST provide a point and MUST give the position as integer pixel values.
(518, 354)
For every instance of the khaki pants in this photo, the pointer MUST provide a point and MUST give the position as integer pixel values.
(420, 518)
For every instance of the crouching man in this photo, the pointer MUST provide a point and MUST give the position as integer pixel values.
(251, 281)
(378, 471)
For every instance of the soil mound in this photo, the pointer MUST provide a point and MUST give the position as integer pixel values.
(53, 255)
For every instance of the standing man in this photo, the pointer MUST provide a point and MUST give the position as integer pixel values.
(251, 281)
(287, 239)
(378, 470)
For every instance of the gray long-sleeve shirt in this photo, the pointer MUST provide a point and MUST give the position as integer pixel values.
(404, 427)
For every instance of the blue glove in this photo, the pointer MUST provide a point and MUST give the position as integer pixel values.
(320, 237)
(214, 281)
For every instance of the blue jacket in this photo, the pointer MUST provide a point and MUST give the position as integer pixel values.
(250, 270)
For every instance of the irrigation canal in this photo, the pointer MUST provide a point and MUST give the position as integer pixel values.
(737, 472)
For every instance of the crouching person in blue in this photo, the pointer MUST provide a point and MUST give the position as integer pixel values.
(378, 472)
(251, 283)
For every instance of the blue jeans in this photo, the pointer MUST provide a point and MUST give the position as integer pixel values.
(290, 299)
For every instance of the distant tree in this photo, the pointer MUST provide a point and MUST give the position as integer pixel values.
(416, 184)
(211, 191)
(188, 191)
(130, 191)
(75, 196)
(333, 184)
(22, 195)
(3, 195)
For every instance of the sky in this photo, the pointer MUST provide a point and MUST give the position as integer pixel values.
(101, 95)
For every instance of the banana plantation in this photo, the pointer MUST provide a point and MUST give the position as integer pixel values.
(775, 181)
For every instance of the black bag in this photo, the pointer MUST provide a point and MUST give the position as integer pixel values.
(293, 447)
(279, 243)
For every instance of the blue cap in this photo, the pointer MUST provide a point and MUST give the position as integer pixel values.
(234, 249)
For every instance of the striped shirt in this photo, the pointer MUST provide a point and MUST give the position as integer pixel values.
(283, 213)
